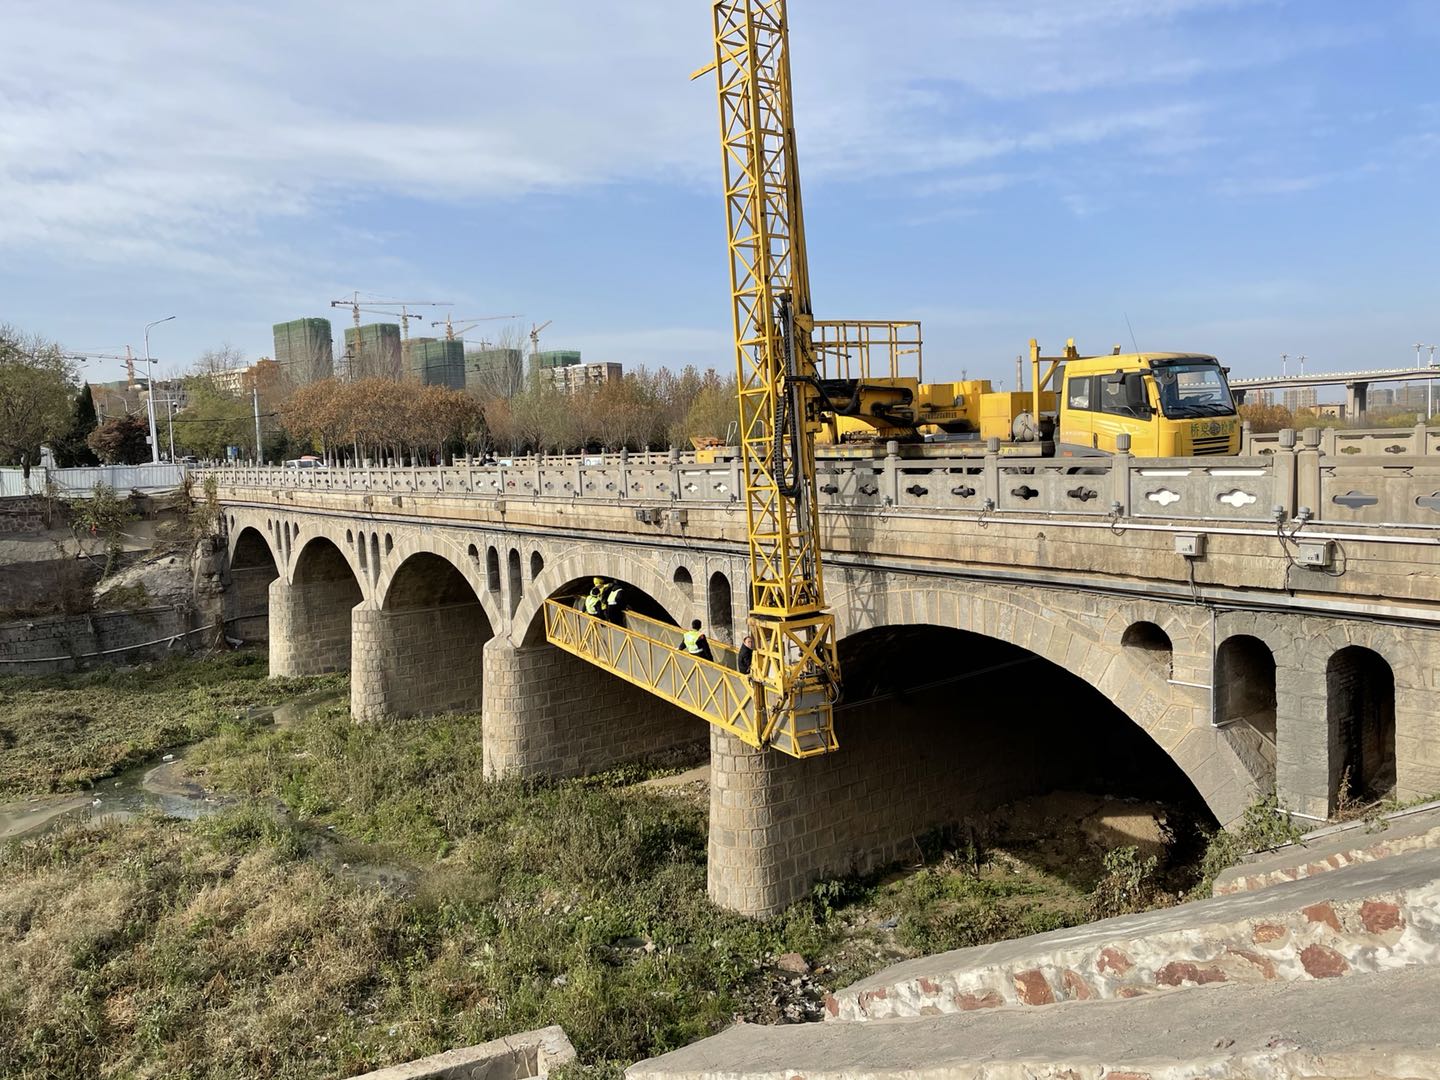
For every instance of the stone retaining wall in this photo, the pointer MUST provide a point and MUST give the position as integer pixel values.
(63, 643)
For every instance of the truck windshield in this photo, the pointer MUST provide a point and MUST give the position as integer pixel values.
(1195, 389)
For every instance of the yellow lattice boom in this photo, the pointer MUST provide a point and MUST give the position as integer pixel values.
(796, 668)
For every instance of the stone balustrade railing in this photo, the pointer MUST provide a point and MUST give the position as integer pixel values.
(1288, 480)
(1417, 441)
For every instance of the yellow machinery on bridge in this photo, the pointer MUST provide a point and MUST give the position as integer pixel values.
(785, 399)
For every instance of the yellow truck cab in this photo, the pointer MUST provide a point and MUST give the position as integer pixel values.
(1170, 404)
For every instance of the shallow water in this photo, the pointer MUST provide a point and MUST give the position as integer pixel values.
(155, 787)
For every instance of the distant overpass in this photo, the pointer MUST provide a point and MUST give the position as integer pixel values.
(1356, 383)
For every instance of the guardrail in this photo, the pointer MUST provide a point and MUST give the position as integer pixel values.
(78, 483)
(1293, 479)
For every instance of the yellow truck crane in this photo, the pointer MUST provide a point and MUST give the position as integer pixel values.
(1169, 404)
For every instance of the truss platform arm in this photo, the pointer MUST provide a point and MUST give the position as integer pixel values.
(650, 654)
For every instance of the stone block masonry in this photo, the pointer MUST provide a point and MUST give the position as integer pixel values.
(550, 714)
(63, 643)
(417, 662)
(247, 603)
(310, 626)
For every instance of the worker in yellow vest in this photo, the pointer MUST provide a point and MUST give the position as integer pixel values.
(595, 599)
(696, 643)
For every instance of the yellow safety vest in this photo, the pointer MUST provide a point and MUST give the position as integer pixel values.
(592, 605)
(692, 641)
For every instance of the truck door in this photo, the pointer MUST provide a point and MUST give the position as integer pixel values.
(1077, 427)
(1125, 409)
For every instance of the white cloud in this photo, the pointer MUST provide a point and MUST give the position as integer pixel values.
(165, 133)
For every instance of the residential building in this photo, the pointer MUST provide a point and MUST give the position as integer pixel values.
(434, 362)
(573, 377)
(1301, 397)
(373, 351)
(305, 350)
(494, 372)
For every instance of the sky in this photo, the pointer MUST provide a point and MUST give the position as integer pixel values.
(1240, 177)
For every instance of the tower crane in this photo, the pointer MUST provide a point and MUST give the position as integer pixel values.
(535, 336)
(471, 322)
(129, 359)
(386, 307)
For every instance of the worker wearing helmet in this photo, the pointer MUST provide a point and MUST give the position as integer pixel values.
(696, 644)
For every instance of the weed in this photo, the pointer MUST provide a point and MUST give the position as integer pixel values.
(1129, 884)
(1262, 827)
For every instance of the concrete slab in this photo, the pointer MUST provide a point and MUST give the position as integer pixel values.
(1336, 847)
(515, 1057)
(1362, 918)
(1377, 1026)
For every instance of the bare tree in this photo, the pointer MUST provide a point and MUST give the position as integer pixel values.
(498, 369)
(214, 361)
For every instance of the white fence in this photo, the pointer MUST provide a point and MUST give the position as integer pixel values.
(78, 483)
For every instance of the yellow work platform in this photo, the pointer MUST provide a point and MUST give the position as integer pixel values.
(651, 655)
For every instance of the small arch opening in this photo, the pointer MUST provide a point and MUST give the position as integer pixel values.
(389, 543)
(474, 553)
(517, 583)
(537, 564)
(1360, 701)
(721, 623)
(685, 582)
(375, 554)
(492, 569)
(1245, 704)
(1147, 644)
(361, 552)
(350, 536)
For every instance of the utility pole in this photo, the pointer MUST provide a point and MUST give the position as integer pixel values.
(171, 403)
(1284, 365)
(1301, 358)
(255, 400)
(1430, 388)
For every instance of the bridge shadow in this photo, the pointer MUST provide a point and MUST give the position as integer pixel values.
(958, 725)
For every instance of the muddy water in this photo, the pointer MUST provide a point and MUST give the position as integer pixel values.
(156, 787)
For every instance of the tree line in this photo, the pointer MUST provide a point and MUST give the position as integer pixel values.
(43, 402)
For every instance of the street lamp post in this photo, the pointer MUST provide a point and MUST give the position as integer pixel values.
(150, 397)
(1284, 365)
(1430, 388)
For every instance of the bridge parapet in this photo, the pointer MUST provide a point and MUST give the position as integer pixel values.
(1337, 488)
(1417, 441)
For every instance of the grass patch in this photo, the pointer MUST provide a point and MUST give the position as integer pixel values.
(256, 944)
(64, 732)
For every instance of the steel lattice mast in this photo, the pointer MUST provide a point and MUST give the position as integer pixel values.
(795, 659)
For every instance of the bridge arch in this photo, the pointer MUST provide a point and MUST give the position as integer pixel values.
(252, 569)
(528, 624)
(420, 649)
(1176, 718)
(310, 615)
(458, 554)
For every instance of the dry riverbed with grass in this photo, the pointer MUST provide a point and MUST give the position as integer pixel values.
(367, 898)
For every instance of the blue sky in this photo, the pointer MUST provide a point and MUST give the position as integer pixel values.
(1241, 177)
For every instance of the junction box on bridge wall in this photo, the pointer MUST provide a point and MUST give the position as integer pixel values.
(1191, 545)
(1318, 554)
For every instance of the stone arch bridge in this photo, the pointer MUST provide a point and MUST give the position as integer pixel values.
(995, 644)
